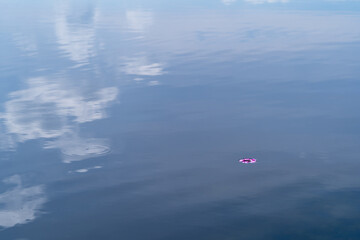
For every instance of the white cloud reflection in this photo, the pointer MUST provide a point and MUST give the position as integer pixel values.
(47, 109)
(266, 1)
(25, 44)
(228, 2)
(74, 148)
(76, 40)
(142, 67)
(139, 20)
(154, 83)
(21, 204)
(85, 170)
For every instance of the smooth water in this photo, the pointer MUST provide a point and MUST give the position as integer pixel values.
(126, 120)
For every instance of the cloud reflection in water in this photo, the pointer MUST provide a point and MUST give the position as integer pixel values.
(26, 44)
(228, 2)
(139, 20)
(76, 40)
(20, 204)
(266, 1)
(75, 148)
(47, 109)
(142, 67)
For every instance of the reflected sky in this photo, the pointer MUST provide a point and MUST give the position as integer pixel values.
(141, 67)
(152, 103)
(49, 110)
(139, 20)
(266, 1)
(76, 38)
(20, 204)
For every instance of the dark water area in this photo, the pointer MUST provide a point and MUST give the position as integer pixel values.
(126, 120)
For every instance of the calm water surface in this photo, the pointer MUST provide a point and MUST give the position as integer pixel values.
(126, 119)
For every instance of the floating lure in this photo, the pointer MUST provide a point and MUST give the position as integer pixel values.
(247, 160)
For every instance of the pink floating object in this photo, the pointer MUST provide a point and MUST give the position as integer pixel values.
(247, 160)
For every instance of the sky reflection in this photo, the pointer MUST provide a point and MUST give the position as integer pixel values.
(48, 110)
(142, 67)
(76, 40)
(20, 204)
(266, 1)
(203, 84)
(228, 2)
(139, 20)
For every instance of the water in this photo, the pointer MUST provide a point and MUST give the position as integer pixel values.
(126, 119)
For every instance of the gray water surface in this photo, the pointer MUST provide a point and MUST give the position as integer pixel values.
(125, 120)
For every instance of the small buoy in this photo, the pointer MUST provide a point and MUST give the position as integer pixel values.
(247, 160)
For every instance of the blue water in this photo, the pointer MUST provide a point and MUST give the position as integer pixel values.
(126, 120)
